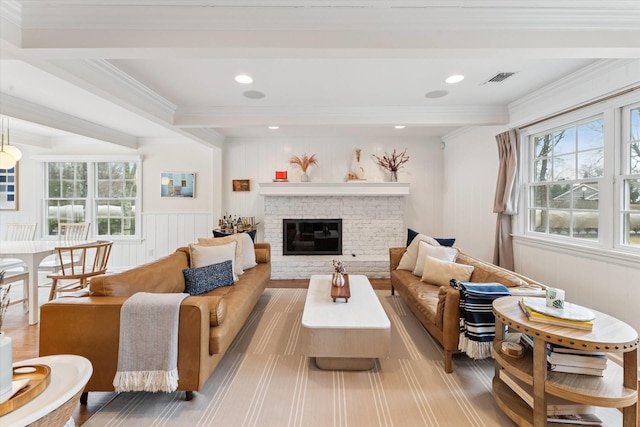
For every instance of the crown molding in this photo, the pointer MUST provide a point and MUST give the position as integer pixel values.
(24, 110)
(529, 107)
(206, 136)
(129, 84)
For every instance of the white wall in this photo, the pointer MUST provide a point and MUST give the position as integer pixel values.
(258, 159)
(470, 173)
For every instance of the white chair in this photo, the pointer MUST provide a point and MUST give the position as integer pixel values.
(67, 232)
(86, 261)
(18, 232)
(74, 231)
(21, 231)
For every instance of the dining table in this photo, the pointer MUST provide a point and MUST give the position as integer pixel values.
(32, 252)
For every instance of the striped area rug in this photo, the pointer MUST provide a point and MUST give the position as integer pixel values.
(264, 380)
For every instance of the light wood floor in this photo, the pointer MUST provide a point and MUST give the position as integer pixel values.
(25, 338)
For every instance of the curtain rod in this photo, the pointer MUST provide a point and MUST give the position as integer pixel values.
(578, 107)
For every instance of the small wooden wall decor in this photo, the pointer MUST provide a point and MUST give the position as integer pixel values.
(241, 185)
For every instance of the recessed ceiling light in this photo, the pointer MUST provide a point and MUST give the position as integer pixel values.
(436, 94)
(456, 78)
(253, 94)
(399, 126)
(244, 79)
(274, 127)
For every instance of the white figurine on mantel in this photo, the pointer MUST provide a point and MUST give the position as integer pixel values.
(356, 168)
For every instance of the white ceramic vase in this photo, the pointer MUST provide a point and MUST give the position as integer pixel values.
(6, 362)
(337, 279)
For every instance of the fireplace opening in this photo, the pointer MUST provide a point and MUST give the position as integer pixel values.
(312, 236)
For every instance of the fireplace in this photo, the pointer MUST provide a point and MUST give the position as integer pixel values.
(312, 236)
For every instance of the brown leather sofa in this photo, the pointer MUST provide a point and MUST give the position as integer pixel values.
(437, 307)
(89, 325)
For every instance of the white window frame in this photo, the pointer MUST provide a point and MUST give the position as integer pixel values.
(610, 205)
(624, 173)
(90, 214)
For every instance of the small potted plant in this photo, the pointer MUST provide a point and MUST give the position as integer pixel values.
(304, 162)
(392, 162)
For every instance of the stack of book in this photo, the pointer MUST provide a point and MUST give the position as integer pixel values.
(539, 317)
(571, 360)
(563, 359)
(558, 410)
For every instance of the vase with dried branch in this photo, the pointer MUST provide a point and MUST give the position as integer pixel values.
(392, 162)
(337, 279)
(304, 163)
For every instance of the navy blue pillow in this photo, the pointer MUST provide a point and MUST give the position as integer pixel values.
(251, 234)
(412, 235)
(204, 279)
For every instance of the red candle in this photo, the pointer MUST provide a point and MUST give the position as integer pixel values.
(281, 174)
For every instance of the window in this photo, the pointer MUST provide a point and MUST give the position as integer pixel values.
(104, 194)
(582, 177)
(631, 176)
(568, 167)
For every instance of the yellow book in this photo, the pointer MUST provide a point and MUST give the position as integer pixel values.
(534, 316)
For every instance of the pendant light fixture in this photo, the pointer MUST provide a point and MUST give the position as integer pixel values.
(9, 155)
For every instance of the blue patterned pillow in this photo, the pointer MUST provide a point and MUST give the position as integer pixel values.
(203, 279)
(251, 233)
(411, 234)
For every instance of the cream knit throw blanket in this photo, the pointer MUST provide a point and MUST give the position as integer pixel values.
(148, 354)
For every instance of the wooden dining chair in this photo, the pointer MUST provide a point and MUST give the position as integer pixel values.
(86, 261)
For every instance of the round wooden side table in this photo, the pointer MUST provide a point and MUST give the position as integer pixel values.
(55, 405)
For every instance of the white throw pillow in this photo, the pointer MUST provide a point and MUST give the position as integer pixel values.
(248, 252)
(408, 260)
(203, 255)
(238, 261)
(441, 252)
(439, 272)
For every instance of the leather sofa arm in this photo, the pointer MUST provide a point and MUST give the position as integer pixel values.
(449, 312)
(217, 309)
(395, 255)
(90, 327)
(263, 252)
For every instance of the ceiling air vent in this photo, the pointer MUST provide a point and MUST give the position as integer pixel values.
(500, 77)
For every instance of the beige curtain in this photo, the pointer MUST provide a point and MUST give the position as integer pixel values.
(506, 199)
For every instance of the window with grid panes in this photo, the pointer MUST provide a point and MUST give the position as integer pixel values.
(102, 193)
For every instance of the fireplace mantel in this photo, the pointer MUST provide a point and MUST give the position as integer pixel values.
(334, 188)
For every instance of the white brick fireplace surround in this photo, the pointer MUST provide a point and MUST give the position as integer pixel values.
(372, 222)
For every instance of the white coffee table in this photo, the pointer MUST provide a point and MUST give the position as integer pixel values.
(340, 335)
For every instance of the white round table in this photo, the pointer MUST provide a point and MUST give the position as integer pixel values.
(69, 375)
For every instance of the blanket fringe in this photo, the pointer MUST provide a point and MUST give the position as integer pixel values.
(153, 381)
(475, 349)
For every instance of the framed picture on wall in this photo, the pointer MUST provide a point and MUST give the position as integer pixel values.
(178, 184)
(241, 185)
(9, 189)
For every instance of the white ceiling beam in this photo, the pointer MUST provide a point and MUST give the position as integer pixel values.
(24, 110)
(313, 116)
(300, 15)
